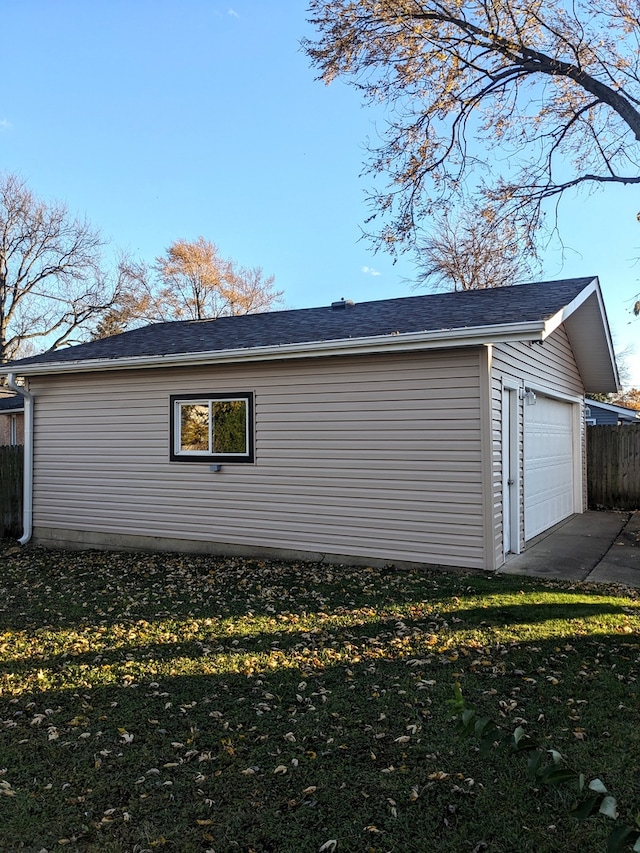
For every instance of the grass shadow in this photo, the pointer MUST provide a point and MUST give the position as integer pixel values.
(278, 706)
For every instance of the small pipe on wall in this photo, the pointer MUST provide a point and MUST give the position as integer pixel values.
(27, 500)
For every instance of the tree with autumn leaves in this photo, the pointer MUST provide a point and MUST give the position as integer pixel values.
(630, 398)
(513, 103)
(55, 288)
(190, 281)
(198, 284)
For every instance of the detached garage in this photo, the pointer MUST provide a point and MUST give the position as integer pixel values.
(445, 429)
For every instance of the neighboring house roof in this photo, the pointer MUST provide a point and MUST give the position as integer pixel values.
(624, 413)
(12, 404)
(521, 312)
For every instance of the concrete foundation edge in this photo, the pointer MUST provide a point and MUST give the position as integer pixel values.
(82, 540)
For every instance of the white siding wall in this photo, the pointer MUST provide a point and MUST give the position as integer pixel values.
(551, 366)
(367, 456)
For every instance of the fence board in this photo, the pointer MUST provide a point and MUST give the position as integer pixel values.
(613, 467)
(11, 466)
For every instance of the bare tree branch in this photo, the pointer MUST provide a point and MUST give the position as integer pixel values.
(473, 250)
(553, 87)
(51, 283)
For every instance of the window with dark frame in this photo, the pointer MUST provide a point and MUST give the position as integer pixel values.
(212, 427)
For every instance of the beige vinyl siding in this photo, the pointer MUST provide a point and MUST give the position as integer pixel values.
(368, 456)
(550, 366)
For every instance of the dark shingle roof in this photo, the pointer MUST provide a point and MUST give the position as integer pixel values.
(13, 403)
(432, 312)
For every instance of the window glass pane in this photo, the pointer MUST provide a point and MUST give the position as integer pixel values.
(194, 427)
(229, 426)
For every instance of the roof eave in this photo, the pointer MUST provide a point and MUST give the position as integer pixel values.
(587, 327)
(624, 411)
(441, 339)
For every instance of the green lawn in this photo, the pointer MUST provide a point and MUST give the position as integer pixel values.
(167, 702)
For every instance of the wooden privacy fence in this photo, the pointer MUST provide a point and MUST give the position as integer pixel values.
(11, 461)
(613, 466)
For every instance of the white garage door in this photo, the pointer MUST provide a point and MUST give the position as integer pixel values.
(548, 464)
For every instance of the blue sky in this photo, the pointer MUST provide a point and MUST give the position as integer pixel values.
(162, 120)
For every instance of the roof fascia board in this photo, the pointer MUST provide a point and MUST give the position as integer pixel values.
(593, 287)
(558, 319)
(553, 322)
(623, 410)
(562, 316)
(607, 332)
(404, 342)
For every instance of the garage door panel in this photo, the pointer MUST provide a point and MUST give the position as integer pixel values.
(549, 464)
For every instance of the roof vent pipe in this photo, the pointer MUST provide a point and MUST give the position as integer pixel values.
(342, 304)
